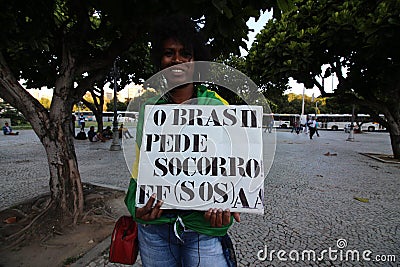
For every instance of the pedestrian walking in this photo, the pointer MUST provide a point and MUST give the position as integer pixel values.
(296, 126)
(270, 125)
(305, 129)
(311, 127)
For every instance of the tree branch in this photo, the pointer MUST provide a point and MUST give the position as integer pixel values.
(12, 92)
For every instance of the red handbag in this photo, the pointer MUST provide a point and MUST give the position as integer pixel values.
(124, 241)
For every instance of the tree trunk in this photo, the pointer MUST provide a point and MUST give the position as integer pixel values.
(394, 131)
(97, 106)
(395, 142)
(100, 124)
(393, 126)
(65, 182)
(391, 120)
(54, 131)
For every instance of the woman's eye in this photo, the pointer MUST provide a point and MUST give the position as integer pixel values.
(186, 54)
(168, 53)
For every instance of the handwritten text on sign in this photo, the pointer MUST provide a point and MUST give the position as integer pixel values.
(200, 157)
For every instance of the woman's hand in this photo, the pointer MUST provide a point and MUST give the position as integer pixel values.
(219, 218)
(148, 213)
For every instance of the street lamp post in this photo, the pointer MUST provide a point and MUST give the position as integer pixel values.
(79, 113)
(79, 107)
(302, 102)
(115, 145)
(351, 134)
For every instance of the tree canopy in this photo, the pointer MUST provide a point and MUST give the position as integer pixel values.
(357, 40)
(70, 46)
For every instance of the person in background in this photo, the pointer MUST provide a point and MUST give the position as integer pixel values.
(305, 128)
(107, 133)
(82, 122)
(311, 127)
(296, 126)
(316, 127)
(271, 125)
(7, 130)
(95, 136)
(123, 131)
(179, 237)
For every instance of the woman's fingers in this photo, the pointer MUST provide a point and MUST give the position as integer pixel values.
(219, 218)
(213, 217)
(236, 216)
(140, 212)
(226, 217)
(148, 212)
(156, 211)
(216, 217)
(207, 215)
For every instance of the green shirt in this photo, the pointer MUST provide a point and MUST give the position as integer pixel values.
(193, 220)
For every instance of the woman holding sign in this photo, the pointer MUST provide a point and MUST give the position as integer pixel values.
(179, 237)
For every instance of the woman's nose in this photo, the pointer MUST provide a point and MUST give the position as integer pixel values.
(177, 58)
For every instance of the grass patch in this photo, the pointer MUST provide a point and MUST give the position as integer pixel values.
(21, 127)
(70, 260)
(87, 125)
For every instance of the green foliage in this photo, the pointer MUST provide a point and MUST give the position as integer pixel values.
(45, 102)
(358, 40)
(272, 92)
(34, 34)
(6, 111)
(237, 63)
(136, 102)
(233, 61)
(70, 46)
(121, 106)
(68, 261)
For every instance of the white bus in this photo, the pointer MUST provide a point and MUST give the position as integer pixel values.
(280, 120)
(342, 121)
(88, 115)
(122, 116)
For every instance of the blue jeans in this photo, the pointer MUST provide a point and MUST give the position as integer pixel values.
(159, 246)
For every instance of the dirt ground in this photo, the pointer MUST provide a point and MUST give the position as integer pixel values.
(58, 247)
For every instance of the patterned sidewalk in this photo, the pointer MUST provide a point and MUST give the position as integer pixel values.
(310, 199)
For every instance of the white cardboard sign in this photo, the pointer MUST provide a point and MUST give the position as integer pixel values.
(196, 157)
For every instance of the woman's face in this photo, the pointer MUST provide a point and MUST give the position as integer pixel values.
(173, 55)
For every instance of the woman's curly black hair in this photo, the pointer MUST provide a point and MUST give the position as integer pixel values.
(181, 29)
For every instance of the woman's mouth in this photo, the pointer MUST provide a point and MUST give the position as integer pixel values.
(177, 70)
(179, 74)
